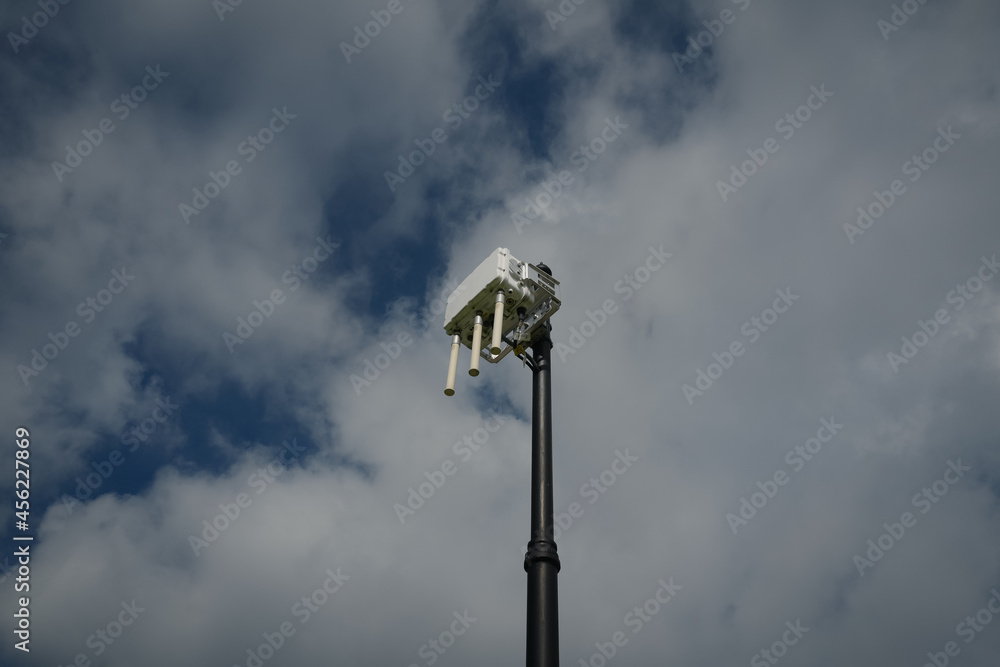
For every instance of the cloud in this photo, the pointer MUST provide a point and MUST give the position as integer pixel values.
(284, 532)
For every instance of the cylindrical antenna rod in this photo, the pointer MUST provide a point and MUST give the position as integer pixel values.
(456, 342)
(477, 344)
(497, 324)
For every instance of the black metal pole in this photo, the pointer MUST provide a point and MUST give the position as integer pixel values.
(542, 560)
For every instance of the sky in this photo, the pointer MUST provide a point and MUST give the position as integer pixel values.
(227, 234)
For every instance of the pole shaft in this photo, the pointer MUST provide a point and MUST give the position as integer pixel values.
(542, 560)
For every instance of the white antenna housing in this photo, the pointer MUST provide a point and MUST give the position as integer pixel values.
(510, 301)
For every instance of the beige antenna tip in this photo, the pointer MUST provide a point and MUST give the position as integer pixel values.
(449, 389)
(477, 344)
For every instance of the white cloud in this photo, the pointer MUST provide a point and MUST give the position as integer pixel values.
(656, 185)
